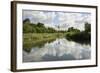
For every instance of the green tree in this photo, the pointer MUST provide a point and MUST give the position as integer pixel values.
(26, 21)
(27, 28)
(51, 30)
(72, 29)
(40, 24)
(87, 27)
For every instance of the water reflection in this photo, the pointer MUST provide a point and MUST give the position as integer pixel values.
(28, 46)
(60, 49)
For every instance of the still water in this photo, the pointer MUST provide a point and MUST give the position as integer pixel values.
(60, 49)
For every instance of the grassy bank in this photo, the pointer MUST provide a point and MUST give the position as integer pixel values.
(39, 39)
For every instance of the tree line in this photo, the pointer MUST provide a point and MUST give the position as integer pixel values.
(81, 36)
(29, 27)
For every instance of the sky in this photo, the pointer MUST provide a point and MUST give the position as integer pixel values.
(58, 18)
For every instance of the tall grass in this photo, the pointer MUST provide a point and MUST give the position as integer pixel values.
(38, 39)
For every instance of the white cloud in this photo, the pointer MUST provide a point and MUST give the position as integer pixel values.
(63, 19)
(75, 20)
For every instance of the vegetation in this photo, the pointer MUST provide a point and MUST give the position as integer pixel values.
(87, 27)
(29, 27)
(72, 29)
(36, 34)
(80, 36)
(38, 39)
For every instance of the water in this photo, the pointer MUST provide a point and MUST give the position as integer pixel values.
(60, 49)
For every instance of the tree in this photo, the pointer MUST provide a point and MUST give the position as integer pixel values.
(26, 21)
(87, 27)
(72, 29)
(27, 28)
(51, 30)
(40, 24)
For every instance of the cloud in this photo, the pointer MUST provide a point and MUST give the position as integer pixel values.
(75, 20)
(39, 16)
(62, 19)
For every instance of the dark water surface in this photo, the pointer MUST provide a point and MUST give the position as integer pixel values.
(60, 49)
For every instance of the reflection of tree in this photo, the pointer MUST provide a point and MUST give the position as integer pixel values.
(80, 36)
(58, 27)
(28, 46)
(71, 34)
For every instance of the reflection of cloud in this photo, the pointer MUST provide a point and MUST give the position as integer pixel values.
(63, 19)
(64, 50)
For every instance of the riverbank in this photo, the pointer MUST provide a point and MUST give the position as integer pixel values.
(39, 39)
(80, 37)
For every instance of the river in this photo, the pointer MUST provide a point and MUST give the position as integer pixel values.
(60, 49)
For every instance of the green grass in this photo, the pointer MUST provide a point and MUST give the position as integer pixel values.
(39, 39)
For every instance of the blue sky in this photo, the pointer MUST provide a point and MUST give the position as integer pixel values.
(59, 18)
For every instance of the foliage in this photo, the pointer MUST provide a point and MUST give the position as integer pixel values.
(27, 28)
(72, 29)
(26, 21)
(36, 28)
(71, 34)
(87, 27)
(80, 36)
(37, 40)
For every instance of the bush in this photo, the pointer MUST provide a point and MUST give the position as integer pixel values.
(81, 37)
